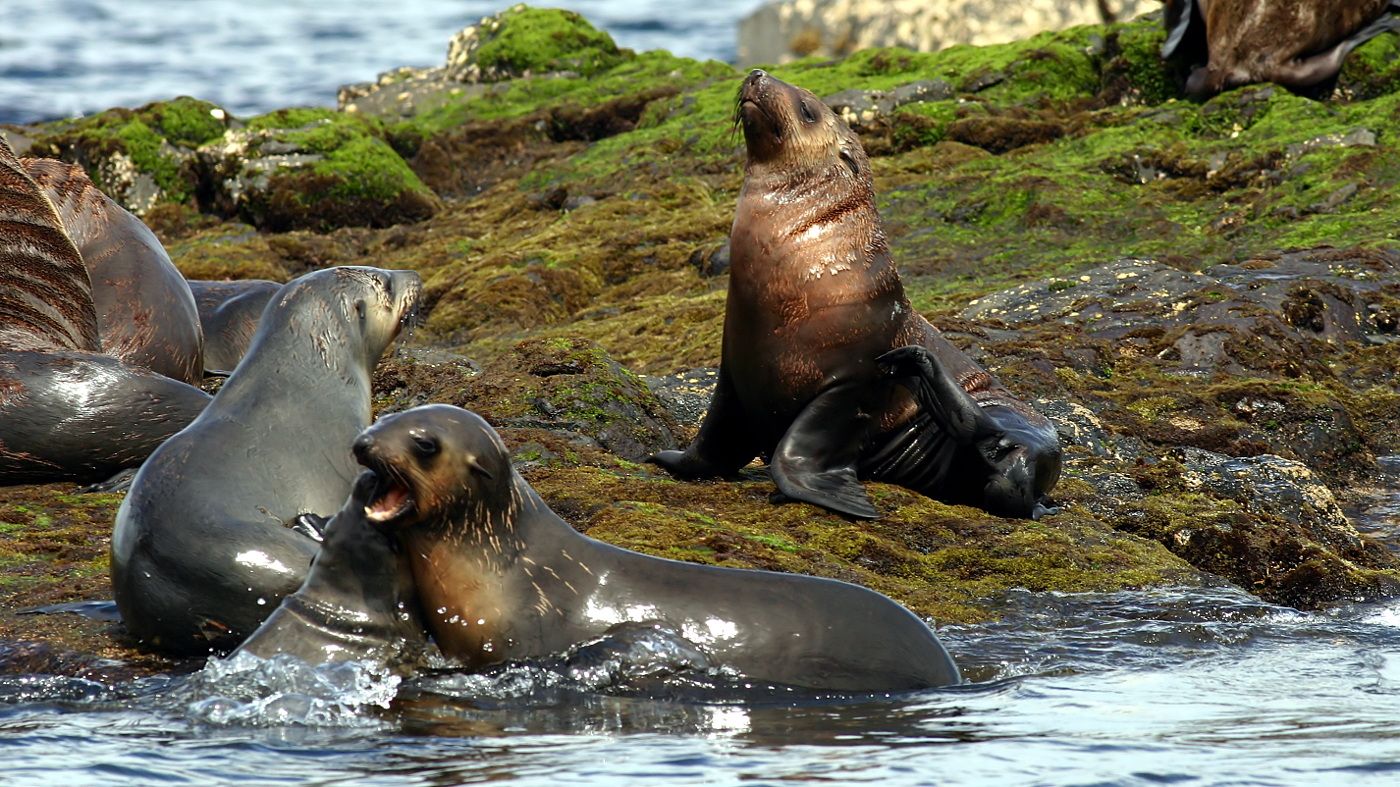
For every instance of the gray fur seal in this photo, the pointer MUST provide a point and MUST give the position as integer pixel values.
(500, 576)
(358, 601)
(1300, 45)
(814, 303)
(204, 545)
(68, 411)
(229, 312)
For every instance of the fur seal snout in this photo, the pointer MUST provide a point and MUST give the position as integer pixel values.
(500, 576)
(814, 302)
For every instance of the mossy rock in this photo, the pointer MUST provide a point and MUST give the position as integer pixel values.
(521, 41)
(564, 385)
(142, 157)
(311, 169)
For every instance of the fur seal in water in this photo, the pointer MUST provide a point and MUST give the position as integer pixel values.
(229, 312)
(1300, 45)
(212, 534)
(500, 576)
(68, 411)
(146, 315)
(814, 302)
(358, 601)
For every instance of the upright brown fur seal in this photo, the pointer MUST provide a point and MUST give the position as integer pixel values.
(1299, 44)
(814, 303)
(211, 536)
(500, 576)
(146, 314)
(67, 409)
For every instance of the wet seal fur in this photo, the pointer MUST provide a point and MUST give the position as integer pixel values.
(1300, 45)
(146, 314)
(229, 312)
(814, 303)
(500, 576)
(212, 534)
(68, 409)
(357, 603)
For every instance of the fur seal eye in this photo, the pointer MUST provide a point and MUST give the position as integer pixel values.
(806, 112)
(423, 445)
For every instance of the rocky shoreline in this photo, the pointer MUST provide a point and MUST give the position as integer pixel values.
(1203, 297)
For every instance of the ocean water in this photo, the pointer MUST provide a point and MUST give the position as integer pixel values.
(60, 58)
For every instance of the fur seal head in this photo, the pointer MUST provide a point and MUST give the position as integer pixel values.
(379, 304)
(787, 129)
(440, 466)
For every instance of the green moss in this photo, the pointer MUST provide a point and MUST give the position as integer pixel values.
(546, 39)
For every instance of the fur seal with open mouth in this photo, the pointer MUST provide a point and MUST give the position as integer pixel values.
(68, 410)
(1300, 45)
(212, 534)
(500, 576)
(814, 303)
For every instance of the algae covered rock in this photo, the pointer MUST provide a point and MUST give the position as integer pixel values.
(521, 41)
(313, 169)
(139, 157)
(569, 387)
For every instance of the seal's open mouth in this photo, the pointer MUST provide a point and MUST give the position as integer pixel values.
(391, 499)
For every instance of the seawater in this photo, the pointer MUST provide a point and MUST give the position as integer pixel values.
(1177, 686)
(61, 58)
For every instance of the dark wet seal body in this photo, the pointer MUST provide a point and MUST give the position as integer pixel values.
(146, 314)
(1300, 44)
(68, 411)
(229, 312)
(357, 603)
(500, 576)
(814, 303)
(211, 538)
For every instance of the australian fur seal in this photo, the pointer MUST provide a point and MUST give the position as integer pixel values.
(68, 411)
(814, 303)
(500, 576)
(202, 549)
(229, 312)
(357, 602)
(146, 315)
(1300, 45)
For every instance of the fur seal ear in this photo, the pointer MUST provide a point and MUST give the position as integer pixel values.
(850, 162)
(477, 467)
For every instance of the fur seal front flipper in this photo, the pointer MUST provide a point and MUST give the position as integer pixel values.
(724, 443)
(817, 458)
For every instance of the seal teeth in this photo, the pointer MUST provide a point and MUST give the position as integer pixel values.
(392, 503)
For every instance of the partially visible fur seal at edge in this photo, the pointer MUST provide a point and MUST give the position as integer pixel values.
(1300, 45)
(146, 314)
(67, 410)
(358, 602)
(229, 312)
(814, 303)
(501, 577)
(211, 536)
